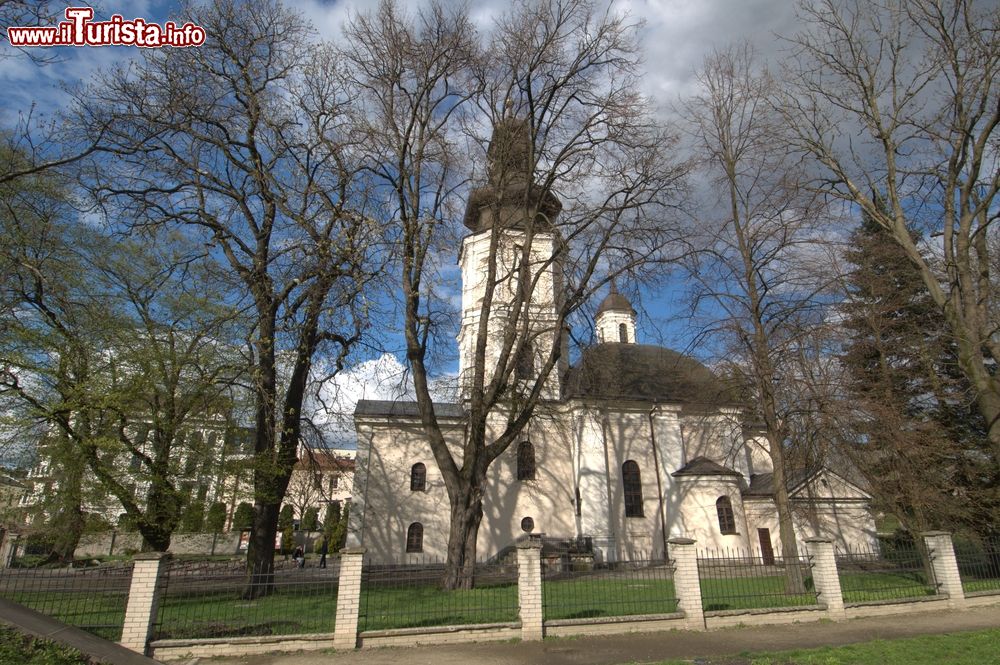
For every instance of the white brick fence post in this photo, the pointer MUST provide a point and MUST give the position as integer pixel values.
(826, 579)
(687, 585)
(942, 555)
(148, 576)
(345, 631)
(529, 588)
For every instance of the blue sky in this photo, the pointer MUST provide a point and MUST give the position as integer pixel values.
(677, 35)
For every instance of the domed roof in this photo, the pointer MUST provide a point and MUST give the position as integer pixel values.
(615, 302)
(646, 373)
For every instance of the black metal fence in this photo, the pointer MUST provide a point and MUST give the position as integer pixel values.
(416, 594)
(979, 565)
(207, 599)
(885, 571)
(581, 588)
(92, 598)
(736, 579)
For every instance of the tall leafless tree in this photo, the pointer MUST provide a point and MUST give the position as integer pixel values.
(241, 142)
(756, 276)
(575, 190)
(901, 98)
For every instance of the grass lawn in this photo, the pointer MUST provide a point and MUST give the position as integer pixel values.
(867, 587)
(427, 605)
(586, 597)
(971, 586)
(975, 648)
(751, 593)
(224, 614)
(98, 613)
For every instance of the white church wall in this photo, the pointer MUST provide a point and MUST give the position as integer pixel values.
(591, 473)
(384, 506)
(848, 523)
(759, 453)
(717, 436)
(698, 515)
(628, 437)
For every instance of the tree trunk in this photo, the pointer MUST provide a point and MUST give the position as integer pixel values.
(66, 526)
(161, 518)
(466, 516)
(260, 554)
(794, 577)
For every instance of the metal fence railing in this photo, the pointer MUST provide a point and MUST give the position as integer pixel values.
(889, 570)
(979, 566)
(416, 594)
(736, 579)
(584, 589)
(207, 599)
(92, 598)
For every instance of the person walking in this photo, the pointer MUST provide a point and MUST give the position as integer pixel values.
(300, 556)
(323, 549)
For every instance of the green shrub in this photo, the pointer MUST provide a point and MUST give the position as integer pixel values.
(310, 520)
(193, 518)
(286, 517)
(16, 647)
(243, 517)
(215, 520)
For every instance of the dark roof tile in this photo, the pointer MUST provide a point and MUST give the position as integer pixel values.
(372, 407)
(702, 466)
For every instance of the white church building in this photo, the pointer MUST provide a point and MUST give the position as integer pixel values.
(634, 444)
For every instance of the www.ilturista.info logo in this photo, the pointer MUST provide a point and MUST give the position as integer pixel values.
(80, 30)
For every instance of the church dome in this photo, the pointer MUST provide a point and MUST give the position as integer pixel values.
(615, 302)
(646, 373)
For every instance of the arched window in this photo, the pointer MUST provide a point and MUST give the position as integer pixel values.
(525, 367)
(525, 461)
(632, 483)
(727, 521)
(623, 333)
(418, 477)
(415, 538)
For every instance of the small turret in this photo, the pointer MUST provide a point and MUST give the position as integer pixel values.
(615, 320)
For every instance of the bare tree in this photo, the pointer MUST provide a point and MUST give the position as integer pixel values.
(574, 191)
(901, 98)
(756, 276)
(241, 144)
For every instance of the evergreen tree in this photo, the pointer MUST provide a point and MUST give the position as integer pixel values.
(310, 520)
(243, 517)
(215, 520)
(920, 440)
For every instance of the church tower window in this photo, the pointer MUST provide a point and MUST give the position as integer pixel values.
(632, 483)
(525, 363)
(525, 461)
(727, 520)
(623, 333)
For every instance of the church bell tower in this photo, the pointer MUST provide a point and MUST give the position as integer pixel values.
(510, 219)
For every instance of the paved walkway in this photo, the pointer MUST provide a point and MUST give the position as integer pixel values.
(648, 647)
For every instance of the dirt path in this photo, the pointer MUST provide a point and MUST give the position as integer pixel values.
(649, 647)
